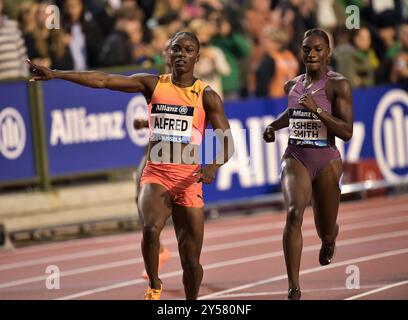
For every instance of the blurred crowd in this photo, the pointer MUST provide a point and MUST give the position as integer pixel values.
(249, 48)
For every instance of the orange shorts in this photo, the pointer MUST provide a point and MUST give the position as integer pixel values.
(179, 181)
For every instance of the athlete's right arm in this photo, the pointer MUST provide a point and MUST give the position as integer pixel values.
(283, 119)
(141, 82)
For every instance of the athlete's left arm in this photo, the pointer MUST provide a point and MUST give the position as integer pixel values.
(215, 114)
(340, 121)
(342, 118)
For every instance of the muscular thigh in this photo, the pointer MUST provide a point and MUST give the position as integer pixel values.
(296, 183)
(155, 204)
(326, 187)
(189, 225)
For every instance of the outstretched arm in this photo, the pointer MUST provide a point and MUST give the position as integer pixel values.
(141, 82)
(216, 116)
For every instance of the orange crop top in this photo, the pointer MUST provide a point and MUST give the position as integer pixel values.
(177, 114)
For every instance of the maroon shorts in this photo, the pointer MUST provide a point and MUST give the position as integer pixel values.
(314, 159)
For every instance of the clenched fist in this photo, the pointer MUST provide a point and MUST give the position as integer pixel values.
(269, 134)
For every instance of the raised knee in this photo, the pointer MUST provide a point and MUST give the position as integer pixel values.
(295, 217)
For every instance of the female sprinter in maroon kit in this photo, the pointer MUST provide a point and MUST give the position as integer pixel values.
(319, 109)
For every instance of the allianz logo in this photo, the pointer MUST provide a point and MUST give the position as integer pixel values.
(390, 135)
(76, 125)
(12, 133)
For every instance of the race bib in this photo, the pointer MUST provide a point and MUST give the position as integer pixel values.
(306, 129)
(171, 123)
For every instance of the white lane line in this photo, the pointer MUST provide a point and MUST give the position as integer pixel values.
(275, 293)
(218, 234)
(68, 256)
(250, 259)
(346, 207)
(401, 283)
(307, 271)
(71, 244)
(116, 264)
(305, 233)
(211, 248)
(136, 246)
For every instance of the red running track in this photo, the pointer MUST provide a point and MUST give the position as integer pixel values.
(242, 258)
